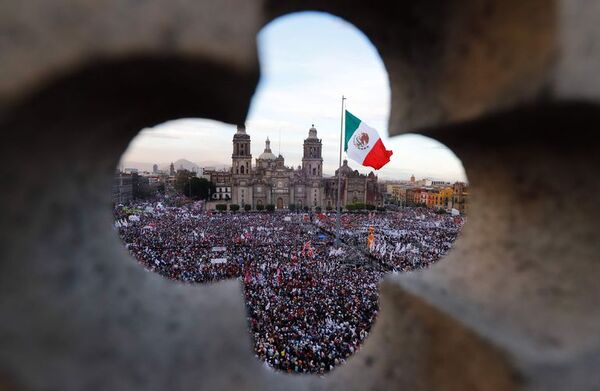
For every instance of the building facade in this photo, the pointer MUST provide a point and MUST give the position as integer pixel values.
(222, 181)
(122, 188)
(270, 181)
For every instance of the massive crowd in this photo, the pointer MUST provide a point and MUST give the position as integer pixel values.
(310, 305)
(409, 239)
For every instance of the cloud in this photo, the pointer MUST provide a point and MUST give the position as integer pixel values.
(308, 61)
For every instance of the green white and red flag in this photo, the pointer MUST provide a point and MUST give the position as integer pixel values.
(363, 144)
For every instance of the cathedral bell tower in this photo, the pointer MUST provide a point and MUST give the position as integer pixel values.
(241, 159)
(312, 160)
(241, 168)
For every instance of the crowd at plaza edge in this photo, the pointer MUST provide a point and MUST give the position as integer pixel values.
(310, 304)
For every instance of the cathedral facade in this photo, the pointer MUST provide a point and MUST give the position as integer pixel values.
(270, 181)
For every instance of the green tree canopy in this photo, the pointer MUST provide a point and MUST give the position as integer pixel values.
(188, 184)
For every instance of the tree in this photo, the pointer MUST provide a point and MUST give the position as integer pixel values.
(292, 207)
(221, 207)
(370, 207)
(188, 184)
(247, 207)
(306, 208)
(270, 208)
(329, 208)
(260, 207)
(201, 188)
(234, 207)
(182, 180)
(318, 209)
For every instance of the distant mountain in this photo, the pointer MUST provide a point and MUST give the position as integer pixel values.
(179, 164)
(215, 164)
(185, 165)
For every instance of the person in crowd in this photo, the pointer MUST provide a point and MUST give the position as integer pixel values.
(309, 306)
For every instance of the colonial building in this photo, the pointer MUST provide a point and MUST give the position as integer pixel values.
(356, 188)
(459, 197)
(270, 181)
(122, 188)
(222, 181)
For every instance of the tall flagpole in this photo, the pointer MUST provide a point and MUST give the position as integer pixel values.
(339, 185)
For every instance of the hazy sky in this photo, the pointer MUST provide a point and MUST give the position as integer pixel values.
(308, 60)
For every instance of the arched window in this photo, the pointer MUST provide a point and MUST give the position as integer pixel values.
(242, 169)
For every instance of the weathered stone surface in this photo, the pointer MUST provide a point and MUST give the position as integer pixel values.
(524, 271)
(47, 40)
(510, 86)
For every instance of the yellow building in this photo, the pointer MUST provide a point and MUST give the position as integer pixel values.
(439, 198)
(444, 198)
(459, 197)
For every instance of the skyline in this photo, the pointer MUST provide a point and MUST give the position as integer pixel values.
(308, 61)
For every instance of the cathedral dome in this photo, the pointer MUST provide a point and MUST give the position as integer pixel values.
(267, 154)
(345, 169)
(312, 132)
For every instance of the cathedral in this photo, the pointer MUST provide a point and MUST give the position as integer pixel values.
(270, 181)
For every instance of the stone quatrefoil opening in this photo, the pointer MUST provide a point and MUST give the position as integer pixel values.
(267, 218)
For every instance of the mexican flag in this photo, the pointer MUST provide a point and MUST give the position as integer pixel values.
(363, 144)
